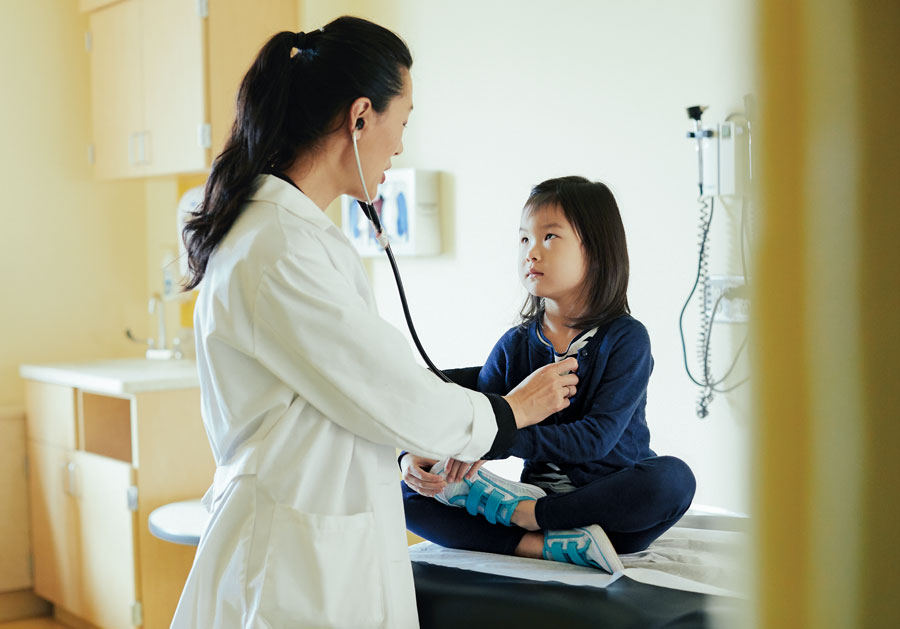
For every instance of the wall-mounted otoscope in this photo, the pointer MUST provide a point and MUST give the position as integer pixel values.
(695, 113)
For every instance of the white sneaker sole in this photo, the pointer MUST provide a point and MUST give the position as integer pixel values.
(600, 550)
(604, 546)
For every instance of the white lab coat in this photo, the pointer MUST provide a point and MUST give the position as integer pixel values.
(306, 392)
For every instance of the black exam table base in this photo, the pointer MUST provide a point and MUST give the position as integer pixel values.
(455, 598)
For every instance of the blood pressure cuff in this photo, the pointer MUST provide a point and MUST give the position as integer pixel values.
(506, 422)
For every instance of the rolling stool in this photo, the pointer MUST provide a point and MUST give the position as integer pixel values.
(179, 522)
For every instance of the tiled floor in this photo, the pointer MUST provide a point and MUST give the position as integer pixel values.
(32, 623)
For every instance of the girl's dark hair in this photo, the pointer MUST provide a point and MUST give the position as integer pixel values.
(286, 105)
(591, 210)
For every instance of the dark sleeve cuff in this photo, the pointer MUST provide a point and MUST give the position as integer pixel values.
(506, 427)
(465, 377)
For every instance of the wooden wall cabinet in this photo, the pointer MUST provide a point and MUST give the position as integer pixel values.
(164, 78)
(98, 465)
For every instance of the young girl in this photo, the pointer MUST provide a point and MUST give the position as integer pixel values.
(590, 481)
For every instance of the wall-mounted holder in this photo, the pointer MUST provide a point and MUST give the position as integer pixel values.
(727, 300)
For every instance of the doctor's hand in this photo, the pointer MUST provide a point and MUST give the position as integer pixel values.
(418, 478)
(546, 391)
(456, 470)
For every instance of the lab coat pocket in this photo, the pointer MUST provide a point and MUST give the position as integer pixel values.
(322, 570)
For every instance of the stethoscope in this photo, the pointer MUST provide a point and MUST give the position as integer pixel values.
(381, 237)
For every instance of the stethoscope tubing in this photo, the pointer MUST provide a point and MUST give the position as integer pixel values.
(382, 238)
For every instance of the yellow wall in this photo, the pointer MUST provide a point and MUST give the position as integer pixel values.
(72, 250)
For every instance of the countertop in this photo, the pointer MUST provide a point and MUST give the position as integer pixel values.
(121, 376)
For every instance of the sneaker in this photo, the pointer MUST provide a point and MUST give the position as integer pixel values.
(586, 546)
(493, 496)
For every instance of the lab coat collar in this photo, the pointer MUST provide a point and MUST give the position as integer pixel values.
(274, 190)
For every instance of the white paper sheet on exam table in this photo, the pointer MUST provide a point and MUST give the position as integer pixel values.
(694, 560)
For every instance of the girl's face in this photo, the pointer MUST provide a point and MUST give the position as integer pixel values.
(551, 255)
(382, 137)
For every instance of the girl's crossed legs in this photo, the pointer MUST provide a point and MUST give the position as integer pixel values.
(634, 506)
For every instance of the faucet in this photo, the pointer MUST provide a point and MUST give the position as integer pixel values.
(156, 348)
(156, 306)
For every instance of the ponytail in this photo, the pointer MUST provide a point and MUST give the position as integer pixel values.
(286, 105)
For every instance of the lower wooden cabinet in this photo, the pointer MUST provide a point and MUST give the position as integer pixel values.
(54, 526)
(92, 552)
(106, 530)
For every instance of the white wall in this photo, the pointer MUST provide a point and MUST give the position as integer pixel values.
(506, 98)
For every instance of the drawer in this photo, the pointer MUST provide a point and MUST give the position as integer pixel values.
(104, 425)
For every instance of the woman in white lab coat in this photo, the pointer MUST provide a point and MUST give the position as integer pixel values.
(306, 392)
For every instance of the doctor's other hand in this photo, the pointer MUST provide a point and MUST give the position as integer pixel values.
(546, 391)
(416, 475)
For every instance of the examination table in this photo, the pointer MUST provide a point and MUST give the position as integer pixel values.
(690, 577)
(454, 598)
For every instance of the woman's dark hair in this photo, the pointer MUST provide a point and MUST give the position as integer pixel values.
(591, 210)
(286, 105)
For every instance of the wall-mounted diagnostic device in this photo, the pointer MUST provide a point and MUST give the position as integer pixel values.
(722, 155)
(724, 173)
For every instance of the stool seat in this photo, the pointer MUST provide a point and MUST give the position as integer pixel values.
(180, 522)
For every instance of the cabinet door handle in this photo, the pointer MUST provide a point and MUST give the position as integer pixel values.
(131, 157)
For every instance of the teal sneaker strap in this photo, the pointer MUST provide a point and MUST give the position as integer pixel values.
(574, 556)
(476, 491)
(490, 508)
(556, 553)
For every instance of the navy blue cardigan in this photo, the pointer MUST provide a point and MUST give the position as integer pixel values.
(604, 429)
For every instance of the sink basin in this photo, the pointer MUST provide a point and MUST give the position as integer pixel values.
(162, 354)
(124, 375)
